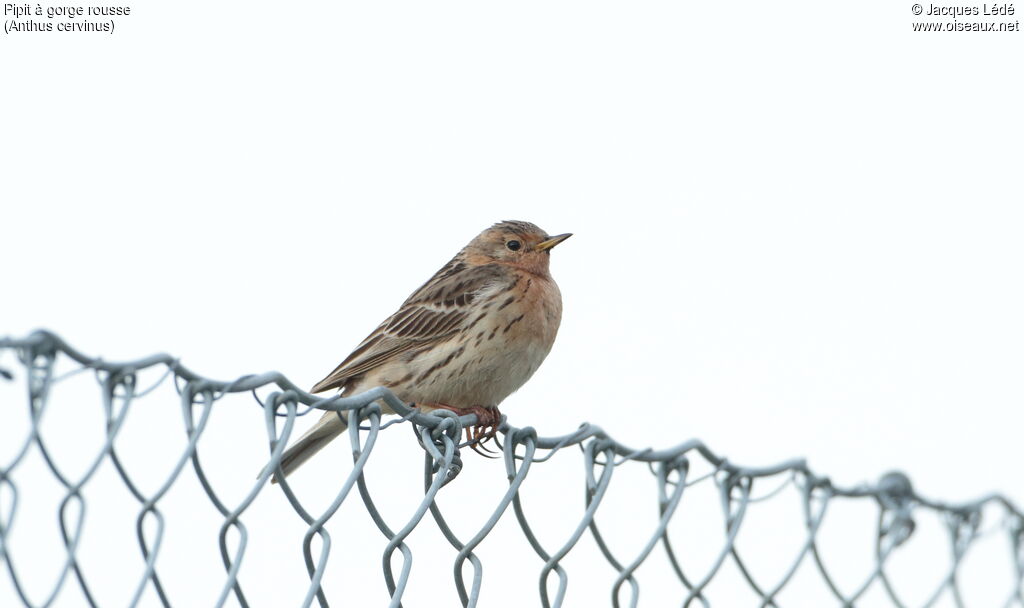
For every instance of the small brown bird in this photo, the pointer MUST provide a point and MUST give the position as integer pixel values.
(469, 337)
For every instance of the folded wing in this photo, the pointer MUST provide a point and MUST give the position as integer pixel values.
(438, 309)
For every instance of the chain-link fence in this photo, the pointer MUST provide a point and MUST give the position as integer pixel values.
(31, 362)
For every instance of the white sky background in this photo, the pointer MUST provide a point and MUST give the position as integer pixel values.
(797, 234)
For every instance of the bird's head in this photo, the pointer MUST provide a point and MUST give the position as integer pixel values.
(515, 243)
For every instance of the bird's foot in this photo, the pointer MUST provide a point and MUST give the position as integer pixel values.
(488, 419)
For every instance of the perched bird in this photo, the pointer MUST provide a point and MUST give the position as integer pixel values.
(469, 337)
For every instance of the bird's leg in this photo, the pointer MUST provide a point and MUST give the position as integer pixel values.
(487, 421)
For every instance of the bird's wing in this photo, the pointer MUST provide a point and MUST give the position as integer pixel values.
(438, 309)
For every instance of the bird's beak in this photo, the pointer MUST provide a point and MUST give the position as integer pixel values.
(552, 241)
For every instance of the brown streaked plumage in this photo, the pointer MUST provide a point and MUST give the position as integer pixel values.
(465, 340)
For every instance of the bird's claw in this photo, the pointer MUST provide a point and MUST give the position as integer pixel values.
(488, 419)
(478, 436)
(486, 428)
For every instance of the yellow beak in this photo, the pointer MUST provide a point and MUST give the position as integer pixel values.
(551, 241)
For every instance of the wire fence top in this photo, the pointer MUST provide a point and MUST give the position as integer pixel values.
(31, 363)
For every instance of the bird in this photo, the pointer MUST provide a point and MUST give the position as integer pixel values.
(464, 341)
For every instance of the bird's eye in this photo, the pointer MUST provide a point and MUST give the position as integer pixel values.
(514, 245)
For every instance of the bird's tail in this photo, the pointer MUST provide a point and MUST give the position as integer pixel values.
(327, 428)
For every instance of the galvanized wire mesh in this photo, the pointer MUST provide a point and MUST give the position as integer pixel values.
(439, 433)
